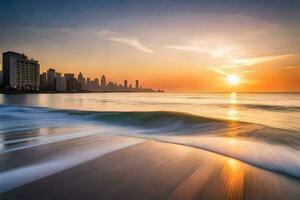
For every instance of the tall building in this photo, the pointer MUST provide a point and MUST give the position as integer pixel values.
(20, 72)
(103, 82)
(81, 79)
(87, 84)
(51, 79)
(43, 81)
(70, 82)
(60, 83)
(80, 82)
(125, 83)
(137, 84)
(96, 84)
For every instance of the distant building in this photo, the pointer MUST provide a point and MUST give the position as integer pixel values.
(87, 84)
(70, 82)
(103, 82)
(60, 83)
(125, 83)
(20, 72)
(96, 85)
(51, 79)
(80, 82)
(43, 81)
(137, 84)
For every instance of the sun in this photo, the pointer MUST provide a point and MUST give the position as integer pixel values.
(233, 79)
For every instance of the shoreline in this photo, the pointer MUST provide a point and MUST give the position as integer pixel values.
(76, 92)
(147, 170)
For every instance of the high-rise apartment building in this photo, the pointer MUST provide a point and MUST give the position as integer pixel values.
(70, 82)
(60, 83)
(51, 79)
(103, 82)
(43, 81)
(20, 72)
(137, 84)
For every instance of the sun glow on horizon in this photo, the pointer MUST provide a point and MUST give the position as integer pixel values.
(233, 79)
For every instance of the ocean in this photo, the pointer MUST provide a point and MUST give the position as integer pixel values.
(261, 129)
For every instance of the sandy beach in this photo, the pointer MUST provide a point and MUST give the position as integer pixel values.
(141, 169)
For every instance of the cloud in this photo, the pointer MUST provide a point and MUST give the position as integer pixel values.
(106, 33)
(187, 48)
(212, 48)
(291, 67)
(257, 60)
(248, 71)
(115, 37)
(219, 71)
(213, 52)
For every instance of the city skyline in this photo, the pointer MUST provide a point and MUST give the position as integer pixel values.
(22, 73)
(177, 46)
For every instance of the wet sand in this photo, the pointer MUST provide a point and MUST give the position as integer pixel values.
(146, 169)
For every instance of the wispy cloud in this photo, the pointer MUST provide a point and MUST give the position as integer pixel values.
(291, 67)
(202, 46)
(219, 71)
(257, 60)
(213, 52)
(248, 71)
(133, 42)
(187, 48)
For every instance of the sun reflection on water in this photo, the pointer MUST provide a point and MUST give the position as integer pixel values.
(232, 113)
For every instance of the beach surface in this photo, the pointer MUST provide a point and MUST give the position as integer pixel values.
(118, 167)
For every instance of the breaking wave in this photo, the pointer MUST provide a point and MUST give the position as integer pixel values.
(266, 147)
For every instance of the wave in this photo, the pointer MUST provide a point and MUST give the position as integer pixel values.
(176, 123)
(276, 108)
(262, 146)
(156, 122)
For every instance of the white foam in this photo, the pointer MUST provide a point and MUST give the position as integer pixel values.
(265, 155)
(17, 177)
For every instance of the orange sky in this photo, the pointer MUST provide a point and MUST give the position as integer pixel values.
(173, 51)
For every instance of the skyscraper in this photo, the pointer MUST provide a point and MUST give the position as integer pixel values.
(60, 83)
(19, 72)
(80, 82)
(81, 79)
(137, 84)
(43, 81)
(103, 82)
(51, 79)
(125, 83)
(70, 82)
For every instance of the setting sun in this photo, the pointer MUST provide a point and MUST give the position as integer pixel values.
(233, 80)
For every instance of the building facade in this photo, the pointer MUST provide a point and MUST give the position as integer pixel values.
(51, 79)
(137, 84)
(60, 83)
(125, 83)
(103, 82)
(70, 82)
(43, 81)
(20, 72)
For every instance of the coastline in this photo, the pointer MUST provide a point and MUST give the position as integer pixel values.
(146, 170)
(75, 92)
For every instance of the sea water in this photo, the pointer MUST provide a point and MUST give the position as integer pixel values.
(262, 129)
